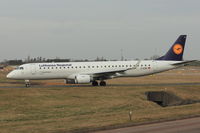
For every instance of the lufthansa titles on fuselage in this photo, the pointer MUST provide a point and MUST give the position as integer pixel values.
(55, 65)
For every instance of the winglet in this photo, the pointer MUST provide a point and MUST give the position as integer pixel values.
(175, 53)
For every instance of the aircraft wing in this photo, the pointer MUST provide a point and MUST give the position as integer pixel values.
(184, 63)
(112, 74)
(108, 74)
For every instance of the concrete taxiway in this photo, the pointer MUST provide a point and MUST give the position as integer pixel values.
(191, 125)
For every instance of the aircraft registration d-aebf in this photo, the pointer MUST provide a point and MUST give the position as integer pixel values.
(91, 72)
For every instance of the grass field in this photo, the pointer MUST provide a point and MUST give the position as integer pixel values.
(63, 109)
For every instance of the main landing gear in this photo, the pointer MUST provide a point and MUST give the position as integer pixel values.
(102, 83)
(27, 83)
(95, 83)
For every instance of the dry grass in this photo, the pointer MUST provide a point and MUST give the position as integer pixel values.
(56, 109)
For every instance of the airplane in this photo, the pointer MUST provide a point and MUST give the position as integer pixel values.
(92, 72)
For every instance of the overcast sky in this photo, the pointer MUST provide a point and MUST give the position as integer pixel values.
(85, 29)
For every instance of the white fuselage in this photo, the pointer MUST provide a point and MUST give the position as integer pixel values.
(69, 70)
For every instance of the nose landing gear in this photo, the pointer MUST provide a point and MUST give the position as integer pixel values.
(27, 83)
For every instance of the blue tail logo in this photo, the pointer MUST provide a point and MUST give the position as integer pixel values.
(175, 53)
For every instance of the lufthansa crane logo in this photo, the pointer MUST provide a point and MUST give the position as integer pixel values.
(178, 49)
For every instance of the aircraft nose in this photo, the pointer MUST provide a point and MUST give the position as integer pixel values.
(10, 75)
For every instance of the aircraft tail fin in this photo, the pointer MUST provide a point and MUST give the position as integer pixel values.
(175, 53)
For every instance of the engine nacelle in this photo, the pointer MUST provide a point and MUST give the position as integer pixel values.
(79, 79)
(82, 79)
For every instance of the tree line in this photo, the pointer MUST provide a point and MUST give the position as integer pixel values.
(43, 60)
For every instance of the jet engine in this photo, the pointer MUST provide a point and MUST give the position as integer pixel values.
(82, 79)
(79, 79)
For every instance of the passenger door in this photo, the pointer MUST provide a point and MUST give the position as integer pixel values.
(33, 69)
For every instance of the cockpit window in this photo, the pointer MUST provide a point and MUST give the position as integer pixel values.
(19, 68)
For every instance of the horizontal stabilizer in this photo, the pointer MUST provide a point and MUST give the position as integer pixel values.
(184, 63)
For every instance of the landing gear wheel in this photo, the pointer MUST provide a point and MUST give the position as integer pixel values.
(27, 83)
(95, 83)
(102, 83)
